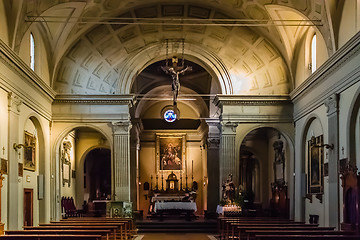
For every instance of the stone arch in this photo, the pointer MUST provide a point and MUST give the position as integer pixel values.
(56, 208)
(43, 203)
(210, 61)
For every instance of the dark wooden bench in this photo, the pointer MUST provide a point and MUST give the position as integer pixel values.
(129, 229)
(112, 236)
(251, 233)
(104, 233)
(224, 224)
(306, 237)
(129, 223)
(241, 229)
(50, 237)
(121, 231)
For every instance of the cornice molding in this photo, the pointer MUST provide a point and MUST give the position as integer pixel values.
(256, 100)
(333, 63)
(95, 99)
(9, 57)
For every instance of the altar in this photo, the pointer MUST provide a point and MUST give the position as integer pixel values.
(187, 206)
(172, 201)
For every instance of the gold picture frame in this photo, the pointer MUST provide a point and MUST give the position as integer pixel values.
(315, 166)
(29, 151)
(170, 152)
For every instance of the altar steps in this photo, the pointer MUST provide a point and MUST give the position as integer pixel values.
(177, 226)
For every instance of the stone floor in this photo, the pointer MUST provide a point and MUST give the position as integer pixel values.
(175, 236)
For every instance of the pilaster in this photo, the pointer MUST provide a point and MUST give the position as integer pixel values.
(229, 163)
(121, 161)
(14, 104)
(213, 145)
(332, 104)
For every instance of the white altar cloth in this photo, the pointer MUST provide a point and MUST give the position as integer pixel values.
(175, 205)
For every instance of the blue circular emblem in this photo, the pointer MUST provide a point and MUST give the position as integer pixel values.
(170, 116)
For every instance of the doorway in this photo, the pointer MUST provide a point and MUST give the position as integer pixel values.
(28, 207)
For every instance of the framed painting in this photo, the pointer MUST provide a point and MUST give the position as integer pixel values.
(315, 166)
(29, 151)
(4, 166)
(170, 152)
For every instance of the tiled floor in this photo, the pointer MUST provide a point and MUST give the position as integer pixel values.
(175, 236)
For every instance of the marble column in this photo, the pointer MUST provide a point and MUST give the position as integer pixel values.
(14, 104)
(229, 162)
(332, 104)
(121, 161)
(213, 144)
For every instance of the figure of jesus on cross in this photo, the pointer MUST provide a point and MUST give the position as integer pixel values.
(174, 71)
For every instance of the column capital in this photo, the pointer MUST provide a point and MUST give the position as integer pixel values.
(121, 127)
(229, 127)
(213, 142)
(14, 102)
(332, 104)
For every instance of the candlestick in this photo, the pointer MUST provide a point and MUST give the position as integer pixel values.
(162, 181)
(151, 185)
(157, 182)
(180, 181)
(192, 170)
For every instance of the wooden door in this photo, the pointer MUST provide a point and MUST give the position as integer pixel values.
(28, 207)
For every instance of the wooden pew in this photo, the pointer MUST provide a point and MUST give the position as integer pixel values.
(224, 223)
(112, 236)
(251, 233)
(50, 237)
(102, 232)
(306, 237)
(235, 226)
(241, 229)
(122, 227)
(129, 223)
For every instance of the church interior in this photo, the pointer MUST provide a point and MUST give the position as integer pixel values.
(243, 108)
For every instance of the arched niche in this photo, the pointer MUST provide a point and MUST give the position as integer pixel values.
(70, 148)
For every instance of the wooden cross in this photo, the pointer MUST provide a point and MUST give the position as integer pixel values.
(3, 150)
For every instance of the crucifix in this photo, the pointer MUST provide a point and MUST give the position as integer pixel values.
(3, 150)
(174, 71)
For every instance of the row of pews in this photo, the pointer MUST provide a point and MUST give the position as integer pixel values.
(265, 228)
(77, 229)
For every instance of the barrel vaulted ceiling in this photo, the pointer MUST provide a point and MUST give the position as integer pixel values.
(90, 56)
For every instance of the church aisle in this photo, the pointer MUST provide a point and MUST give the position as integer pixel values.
(175, 236)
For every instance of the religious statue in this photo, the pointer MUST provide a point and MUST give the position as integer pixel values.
(174, 71)
(66, 151)
(229, 190)
(279, 161)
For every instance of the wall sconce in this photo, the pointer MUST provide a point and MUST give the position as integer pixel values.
(20, 145)
(327, 146)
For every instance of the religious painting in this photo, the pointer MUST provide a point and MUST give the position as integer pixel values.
(20, 169)
(4, 166)
(170, 152)
(66, 162)
(315, 166)
(29, 151)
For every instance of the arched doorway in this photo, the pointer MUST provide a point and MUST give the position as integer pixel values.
(264, 157)
(73, 148)
(97, 175)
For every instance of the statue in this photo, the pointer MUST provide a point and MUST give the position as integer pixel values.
(174, 71)
(229, 190)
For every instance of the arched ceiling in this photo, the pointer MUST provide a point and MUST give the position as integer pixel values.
(89, 57)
